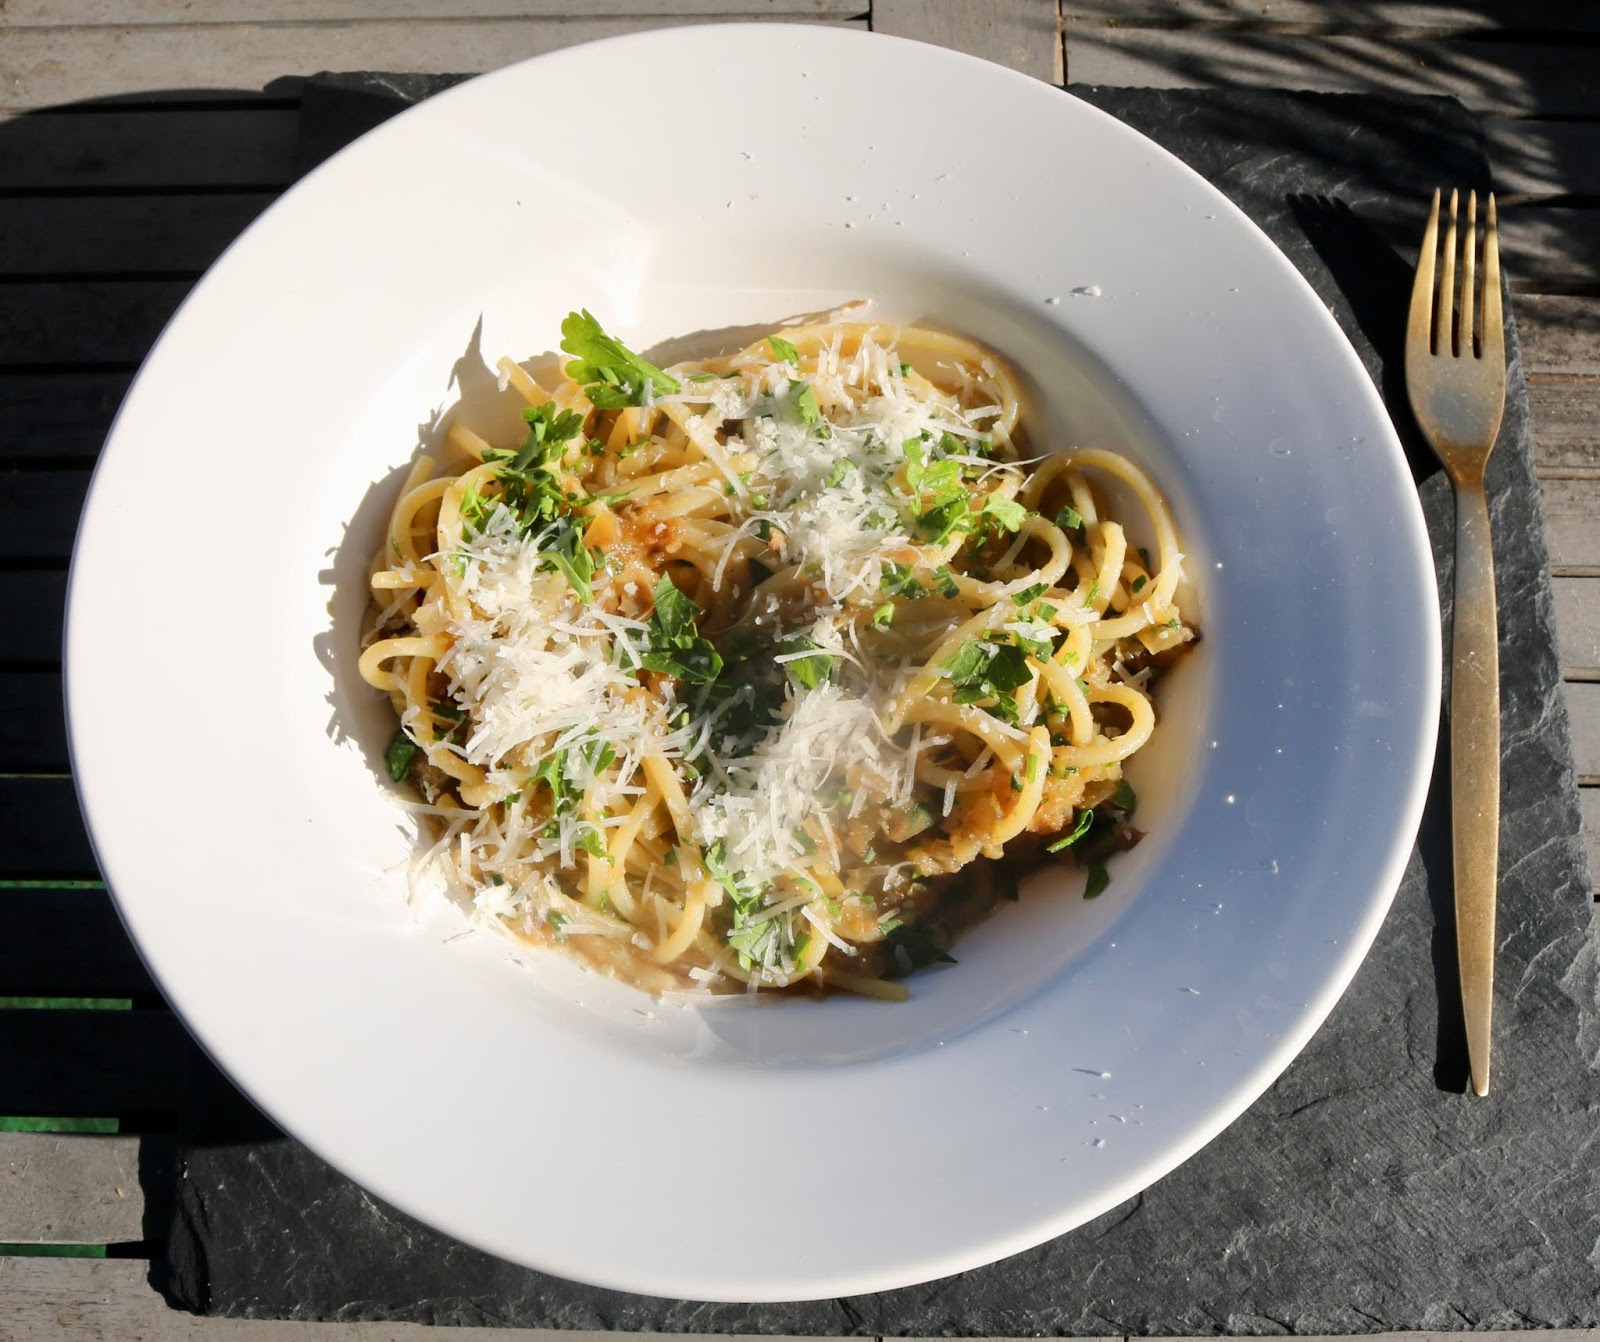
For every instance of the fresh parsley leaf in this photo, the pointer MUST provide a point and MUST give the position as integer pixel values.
(552, 771)
(883, 617)
(402, 750)
(982, 670)
(563, 548)
(811, 670)
(611, 374)
(905, 370)
(1069, 519)
(589, 839)
(1007, 514)
(938, 524)
(841, 469)
(1085, 819)
(945, 581)
(1124, 798)
(802, 404)
(783, 350)
(549, 431)
(897, 580)
(1099, 879)
(1137, 585)
(1028, 593)
(674, 645)
(912, 947)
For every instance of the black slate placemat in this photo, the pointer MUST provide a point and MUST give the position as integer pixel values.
(1364, 1191)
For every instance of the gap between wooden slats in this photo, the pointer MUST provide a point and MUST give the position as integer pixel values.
(1491, 78)
(1547, 16)
(44, 66)
(90, 1062)
(118, 13)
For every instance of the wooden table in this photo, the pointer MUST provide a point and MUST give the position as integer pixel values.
(140, 136)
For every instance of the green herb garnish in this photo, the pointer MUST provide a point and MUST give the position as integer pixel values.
(611, 374)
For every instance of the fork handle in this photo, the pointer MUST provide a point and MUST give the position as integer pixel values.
(1475, 770)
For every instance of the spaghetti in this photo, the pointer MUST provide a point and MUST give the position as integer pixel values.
(721, 673)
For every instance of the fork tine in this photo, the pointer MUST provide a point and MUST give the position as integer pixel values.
(1444, 328)
(1494, 329)
(1419, 330)
(1465, 346)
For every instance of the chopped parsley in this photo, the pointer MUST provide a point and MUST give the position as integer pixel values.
(1085, 819)
(802, 404)
(611, 374)
(813, 668)
(1099, 879)
(674, 646)
(883, 617)
(1069, 519)
(402, 750)
(897, 580)
(783, 351)
(981, 670)
(945, 581)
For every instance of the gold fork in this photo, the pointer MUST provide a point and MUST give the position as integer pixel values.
(1456, 378)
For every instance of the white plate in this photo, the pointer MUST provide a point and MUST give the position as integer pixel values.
(702, 178)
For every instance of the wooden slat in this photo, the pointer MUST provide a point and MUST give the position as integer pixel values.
(1583, 707)
(1550, 246)
(33, 730)
(44, 835)
(120, 13)
(86, 321)
(1566, 423)
(1571, 508)
(33, 604)
(1527, 15)
(121, 235)
(117, 149)
(66, 943)
(58, 417)
(90, 1062)
(57, 1189)
(1024, 34)
(40, 67)
(1494, 78)
(1560, 335)
(111, 1300)
(39, 514)
(1578, 624)
(1543, 158)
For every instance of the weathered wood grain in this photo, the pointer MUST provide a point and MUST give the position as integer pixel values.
(1560, 334)
(33, 729)
(1545, 16)
(1024, 34)
(78, 322)
(1544, 158)
(39, 514)
(66, 943)
(119, 13)
(1566, 423)
(118, 149)
(57, 1189)
(1578, 625)
(1583, 707)
(1491, 78)
(58, 417)
(1572, 522)
(90, 1062)
(1550, 246)
(122, 235)
(111, 1300)
(40, 67)
(44, 838)
(33, 603)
